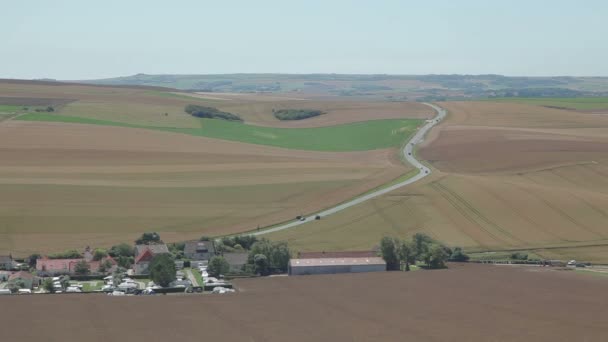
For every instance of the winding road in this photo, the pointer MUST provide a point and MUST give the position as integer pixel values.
(408, 153)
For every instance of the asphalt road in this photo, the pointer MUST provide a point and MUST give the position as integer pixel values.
(409, 156)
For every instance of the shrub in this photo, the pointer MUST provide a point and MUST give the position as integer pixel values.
(458, 255)
(519, 256)
(71, 254)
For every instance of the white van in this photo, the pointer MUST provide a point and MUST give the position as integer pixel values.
(5, 292)
(24, 291)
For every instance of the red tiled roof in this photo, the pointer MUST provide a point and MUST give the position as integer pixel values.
(145, 256)
(22, 275)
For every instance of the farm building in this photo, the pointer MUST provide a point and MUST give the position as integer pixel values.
(341, 254)
(22, 276)
(199, 250)
(144, 255)
(336, 265)
(6, 262)
(236, 260)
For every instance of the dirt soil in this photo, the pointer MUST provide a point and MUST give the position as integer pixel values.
(463, 303)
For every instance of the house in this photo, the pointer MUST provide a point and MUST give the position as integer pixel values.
(46, 266)
(22, 276)
(336, 265)
(155, 249)
(236, 260)
(144, 254)
(199, 250)
(6, 262)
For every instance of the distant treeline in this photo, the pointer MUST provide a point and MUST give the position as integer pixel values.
(296, 114)
(211, 113)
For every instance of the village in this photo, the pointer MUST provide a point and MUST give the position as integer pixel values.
(150, 266)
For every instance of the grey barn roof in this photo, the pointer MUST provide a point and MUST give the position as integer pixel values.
(155, 249)
(336, 261)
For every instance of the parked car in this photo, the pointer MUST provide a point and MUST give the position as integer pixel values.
(571, 263)
(24, 291)
(73, 289)
(5, 292)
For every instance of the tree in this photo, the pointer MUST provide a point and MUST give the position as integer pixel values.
(389, 252)
(277, 253)
(162, 270)
(406, 254)
(436, 256)
(48, 285)
(149, 239)
(125, 262)
(15, 285)
(65, 282)
(218, 266)
(260, 262)
(421, 245)
(82, 268)
(459, 255)
(118, 276)
(99, 254)
(31, 260)
(123, 249)
(105, 266)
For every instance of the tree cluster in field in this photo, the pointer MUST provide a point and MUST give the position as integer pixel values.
(210, 113)
(48, 109)
(421, 248)
(296, 114)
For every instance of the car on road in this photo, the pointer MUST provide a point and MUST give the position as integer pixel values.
(302, 218)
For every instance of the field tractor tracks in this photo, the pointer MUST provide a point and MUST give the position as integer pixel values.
(473, 215)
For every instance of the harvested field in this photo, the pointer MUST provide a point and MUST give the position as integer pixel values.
(481, 303)
(62, 184)
(509, 177)
(146, 106)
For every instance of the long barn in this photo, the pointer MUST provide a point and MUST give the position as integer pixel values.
(336, 265)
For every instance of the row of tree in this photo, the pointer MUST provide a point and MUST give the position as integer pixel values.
(421, 248)
(265, 257)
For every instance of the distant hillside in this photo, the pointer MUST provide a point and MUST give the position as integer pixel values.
(392, 87)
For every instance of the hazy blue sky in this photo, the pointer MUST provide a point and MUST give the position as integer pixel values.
(82, 39)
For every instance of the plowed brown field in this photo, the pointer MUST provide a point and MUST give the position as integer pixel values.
(463, 303)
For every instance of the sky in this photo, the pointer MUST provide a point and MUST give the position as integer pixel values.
(79, 39)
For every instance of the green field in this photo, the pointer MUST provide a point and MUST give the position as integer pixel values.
(358, 136)
(579, 103)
